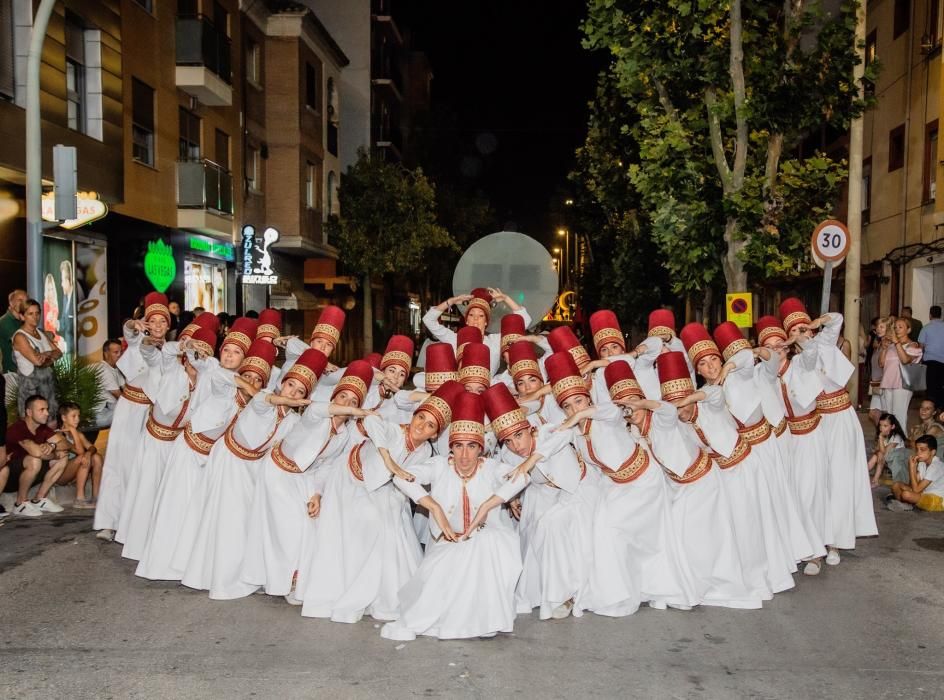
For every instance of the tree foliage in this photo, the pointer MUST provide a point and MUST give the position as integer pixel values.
(388, 222)
(721, 96)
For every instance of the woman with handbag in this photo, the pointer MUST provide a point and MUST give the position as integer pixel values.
(899, 359)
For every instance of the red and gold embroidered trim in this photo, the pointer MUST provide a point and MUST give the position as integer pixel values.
(353, 384)
(624, 389)
(795, 318)
(677, 388)
(246, 453)
(135, 395)
(742, 448)
(256, 365)
(434, 380)
(770, 332)
(757, 433)
(267, 330)
(510, 423)
(326, 331)
(580, 355)
(396, 357)
(526, 368)
(628, 471)
(470, 374)
(508, 339)
(660, 331)
(354, 462)
(157, 309)
(703, 348)
(801, 425)
(608, 335)
(835, 402)
(282, 461)
(735, 347)
(438, 409)
(566, 387)
(698, 468)
(198, 442)
(467, 430)
(239, 339)
(202, 347)
(164, 433)
(781, 427)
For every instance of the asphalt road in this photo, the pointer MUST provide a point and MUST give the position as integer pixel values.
(77, 623)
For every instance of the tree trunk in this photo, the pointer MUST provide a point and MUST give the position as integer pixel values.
(368, 317)
(735, 276)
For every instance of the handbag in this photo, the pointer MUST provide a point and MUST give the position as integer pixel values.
(914, 376)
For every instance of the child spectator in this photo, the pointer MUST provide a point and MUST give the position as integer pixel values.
(926, 478)
(83, 457)
(888, 437)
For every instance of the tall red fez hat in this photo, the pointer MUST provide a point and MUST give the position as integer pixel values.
(330, 324)
(562, 339)
(475, 365)
(730, 339)
(503, 411)
(259, 359)
(374, 359)
(792, 312)
(661, 322)
(605, 328)
(768, 327)
(356, 378)
(481, 299)
(523, 361)
(399, 352)
(698, 342)
(512, 329)
(242, 333)
(621, 381)
(468, 419)
(464, 336)
(203, 320)
(674, 376)
(308, 368)
(564, 377)
(440, 404)
(204, 340)
(155, 304)
(270, 324)
(440, 365)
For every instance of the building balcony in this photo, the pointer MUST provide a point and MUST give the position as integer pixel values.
(390, 142)
(387, 24)
(384, 75)
(205, 198)
(308, 243)
(204, 61)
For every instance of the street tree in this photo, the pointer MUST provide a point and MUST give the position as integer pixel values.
(387, 224)
(723, 94)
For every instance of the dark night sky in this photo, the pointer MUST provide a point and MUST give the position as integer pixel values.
(518, 81)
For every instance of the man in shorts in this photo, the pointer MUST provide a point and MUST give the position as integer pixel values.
(35, 452)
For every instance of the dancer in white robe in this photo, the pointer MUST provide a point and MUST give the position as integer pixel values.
(556, 521)
(278, 515)
(216, 556)
(141, 365)
(324, 338)
(636, 556)
(362, 549)
(225, 388)
(462, 588)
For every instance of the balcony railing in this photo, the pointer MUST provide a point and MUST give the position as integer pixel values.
(203, 184)
(199, 43)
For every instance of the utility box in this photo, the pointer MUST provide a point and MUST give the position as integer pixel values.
(65, 177)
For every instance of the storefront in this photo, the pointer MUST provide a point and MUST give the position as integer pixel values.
(209, 273)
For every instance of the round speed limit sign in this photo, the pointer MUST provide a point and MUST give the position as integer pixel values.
(831, 240)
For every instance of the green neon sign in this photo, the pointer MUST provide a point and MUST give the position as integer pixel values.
(159, 265)
(216, 249)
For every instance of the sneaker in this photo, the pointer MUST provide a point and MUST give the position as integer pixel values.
(899, 506)
(107, 535)
(3, 513)
(812, 568)
(292, 600)
(562, 610)
(84, 505)
(27, 509)
(833, 557)
(48, 506)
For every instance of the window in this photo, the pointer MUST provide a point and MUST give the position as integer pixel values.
(929, 183)
(329, 204)
(866, 188)
(252, 169)
(902, 18)
(75, 75)
(221, 152)
(311, 91)
(253, 63)
(142, 122)
(310, 197)
(189, 136)
(934, 24)
(871, 53)
(148, 5)
(896, 148)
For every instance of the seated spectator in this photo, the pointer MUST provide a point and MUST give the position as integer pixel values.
(889, 437)
(83, 457)
(928, 423)
(35, 452)
(111, 382)
(926, 477)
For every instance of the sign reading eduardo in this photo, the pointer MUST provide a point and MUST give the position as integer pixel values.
(256, 261)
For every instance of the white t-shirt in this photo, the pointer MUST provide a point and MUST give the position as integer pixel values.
(112, 380)
(933, 472)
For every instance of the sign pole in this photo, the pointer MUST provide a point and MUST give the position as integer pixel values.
(827, 287)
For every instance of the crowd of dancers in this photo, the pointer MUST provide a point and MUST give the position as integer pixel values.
(562, 483)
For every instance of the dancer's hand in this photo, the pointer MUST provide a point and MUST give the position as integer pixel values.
(314, 506)
(437, 514)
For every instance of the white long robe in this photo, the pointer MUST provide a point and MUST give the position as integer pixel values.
(637, 557)
(216, 555)
(556, 528)
(361, 549)
(141, 366)
(467, 588)
(215, 406)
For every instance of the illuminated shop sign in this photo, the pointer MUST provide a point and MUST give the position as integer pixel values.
(256, 260)
(88, 206)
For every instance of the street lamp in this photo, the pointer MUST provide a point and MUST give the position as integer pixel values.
(566, 234)
(558, 257)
